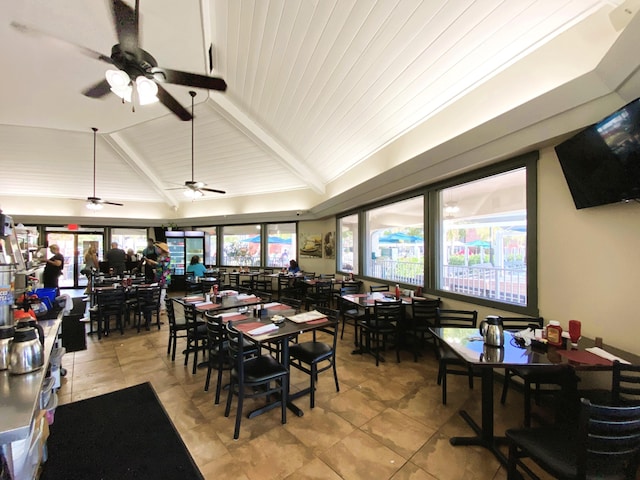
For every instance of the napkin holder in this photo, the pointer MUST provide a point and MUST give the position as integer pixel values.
(539, 345)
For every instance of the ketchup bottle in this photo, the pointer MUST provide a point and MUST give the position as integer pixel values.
(397, 292)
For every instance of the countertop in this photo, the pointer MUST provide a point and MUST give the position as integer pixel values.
(20, 394)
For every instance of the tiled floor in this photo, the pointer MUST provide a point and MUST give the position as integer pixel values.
(386, 422)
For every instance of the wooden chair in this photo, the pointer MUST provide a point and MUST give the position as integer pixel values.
(148, 304)
(378, 327)
(196, 335)
(314, 357)
(218, 352)
(111, 302)
(605, 445)
(423, 316)
(254, 376)
(319, 295)
(625, 387)
(448, 362)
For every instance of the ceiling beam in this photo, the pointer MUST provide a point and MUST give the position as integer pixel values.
(138, 165)
(225, 107)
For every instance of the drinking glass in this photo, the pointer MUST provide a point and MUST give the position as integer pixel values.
(574, 332)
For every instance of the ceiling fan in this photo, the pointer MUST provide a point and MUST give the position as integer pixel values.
(138, 72)
(96, 203)
(193, 189)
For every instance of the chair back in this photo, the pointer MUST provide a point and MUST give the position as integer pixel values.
(424, 311)
(625, 389)
(521, 323)
(264, 296)
(190, 316)
(387, 311)
(234, 279)
(236, 348)
(148, 297)
(378, 288)
(111, 301)
(292, 302)
(216, 334)
(207, 284)
(333, 317)
(456, 318)
(327, 276)
(171, 312)
(608, 441)
(350, 289)
(309, 275)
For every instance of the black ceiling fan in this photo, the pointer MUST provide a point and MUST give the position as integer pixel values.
(192, 188)
(137, 63)
(95, 203)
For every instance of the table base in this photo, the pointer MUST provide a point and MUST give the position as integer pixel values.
(490, 444)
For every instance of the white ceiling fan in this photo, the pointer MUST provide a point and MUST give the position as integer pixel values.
(193, 189)
(93, 202)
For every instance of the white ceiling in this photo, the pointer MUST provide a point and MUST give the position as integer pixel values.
(316, 90)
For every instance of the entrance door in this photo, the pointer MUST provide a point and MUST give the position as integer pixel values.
(73, 246)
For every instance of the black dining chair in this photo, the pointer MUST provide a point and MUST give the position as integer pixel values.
(448, 362)
(376, 328)
(605, 445)
(350, 312)
(319, 295)
(111, 303)
(254, 376)
(423, 317)
(177, 327)
(624, 390)
(147, 305)
(317, 356)
(218, 352)
(378, 288)
(196, 335)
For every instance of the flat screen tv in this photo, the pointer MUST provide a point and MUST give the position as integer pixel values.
(602, 163)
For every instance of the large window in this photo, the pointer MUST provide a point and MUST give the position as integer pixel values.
(130, 238)
(394, 249)
(281, 244)
(483, 251)
(210, 245)
(348, 244)
(241, 245)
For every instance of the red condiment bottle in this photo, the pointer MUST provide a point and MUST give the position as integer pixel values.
(397, 292)
(554, 333)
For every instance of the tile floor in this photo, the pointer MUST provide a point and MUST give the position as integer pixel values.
(386, 422)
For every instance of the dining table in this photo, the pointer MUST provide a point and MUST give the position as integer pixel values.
(225, 300)
(291, 326)
(468, 344)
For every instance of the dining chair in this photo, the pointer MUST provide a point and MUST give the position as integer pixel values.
(196, 335)
(264, 296)
(349, 311)
(110, 305)
(448, 362)
(218, 352)
(254, 376)
(319, 295)
(532, 378)
(294, 303)
(624, 390)
(285, 287)
(378, 288)
(177, 327)
(604, 445)
(316, 356)
(148, 304)
(423, 317)
(378, 327)
(234, 280)
(309, 275)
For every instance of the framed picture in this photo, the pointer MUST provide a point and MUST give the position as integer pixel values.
(329, 245)
(311, 245)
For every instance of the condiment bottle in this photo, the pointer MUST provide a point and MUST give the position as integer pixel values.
(397, 292)
(554, 333)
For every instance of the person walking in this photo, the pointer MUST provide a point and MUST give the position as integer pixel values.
(116, 258)
(162, 270)
(149, 253)
(53, 269)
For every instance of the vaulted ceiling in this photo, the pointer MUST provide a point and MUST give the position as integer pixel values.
(328, 101)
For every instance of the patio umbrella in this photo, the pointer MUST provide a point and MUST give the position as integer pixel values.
(273, 239)
(400, 237)
(479, 243)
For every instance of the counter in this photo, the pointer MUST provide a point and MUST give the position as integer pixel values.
(20, 394)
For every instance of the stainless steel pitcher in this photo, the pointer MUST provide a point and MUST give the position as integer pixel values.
(492, 331)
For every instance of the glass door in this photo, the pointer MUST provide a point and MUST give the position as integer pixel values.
(72, 246)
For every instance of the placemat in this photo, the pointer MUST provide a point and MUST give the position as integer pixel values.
(582, 356)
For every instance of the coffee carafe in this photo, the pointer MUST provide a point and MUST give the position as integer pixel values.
(492, 331)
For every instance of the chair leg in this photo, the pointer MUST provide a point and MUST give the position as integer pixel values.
(236, 431)
(335, 375)
(312, 395)
(175, 347)
(527, 404)
(284, 398)
(444, 386)
(218, 387)
(208, 379)
(195, 358)
(505, 386)
(512, 462)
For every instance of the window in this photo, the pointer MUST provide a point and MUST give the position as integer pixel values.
(241, 245)
(483, 244)
(394, 249)
(281, 244)
(210, 245)
(130, 238)
(348, 244)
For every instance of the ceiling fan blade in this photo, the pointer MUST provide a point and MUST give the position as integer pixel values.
(175, 188)
(213, 190)
(28, 30)
(98, 90)
(172, 104)
(126, 22)
(112, 203)
(177, 77)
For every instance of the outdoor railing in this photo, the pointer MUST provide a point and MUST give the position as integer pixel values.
(507, 285)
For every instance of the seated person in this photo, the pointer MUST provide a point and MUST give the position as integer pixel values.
(293, 266)
(196, 268)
